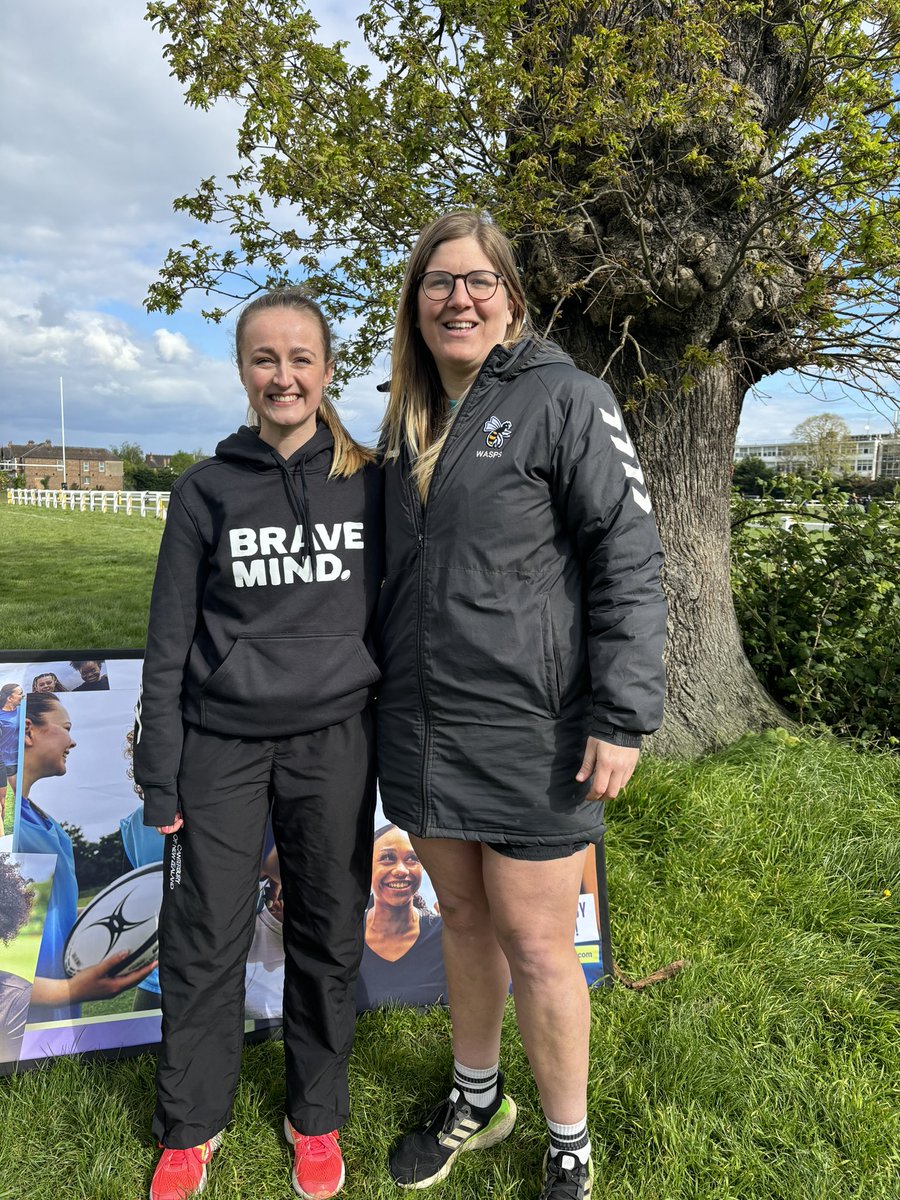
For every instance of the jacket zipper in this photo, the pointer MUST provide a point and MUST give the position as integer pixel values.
(420, 516)
(420, 521)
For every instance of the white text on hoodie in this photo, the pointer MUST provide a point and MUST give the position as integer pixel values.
(272, 558)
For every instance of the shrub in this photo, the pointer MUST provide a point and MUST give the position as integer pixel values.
(817, 596)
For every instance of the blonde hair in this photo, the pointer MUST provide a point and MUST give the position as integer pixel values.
(416, 410)
(349, 455)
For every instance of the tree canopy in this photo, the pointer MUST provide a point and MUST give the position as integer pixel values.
(750, 474)
(182, 459)
(700, 192)
(129, 452)
(731, 162)
(825, 438)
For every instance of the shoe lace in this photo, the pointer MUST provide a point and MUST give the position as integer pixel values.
(567, 1179)
(443, 1116)
(316, 1145)
(179, 1159)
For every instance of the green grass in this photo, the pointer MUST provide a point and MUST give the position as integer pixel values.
(75, 580)
(767, 1070)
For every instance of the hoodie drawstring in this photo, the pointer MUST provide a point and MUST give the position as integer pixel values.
(299, 502)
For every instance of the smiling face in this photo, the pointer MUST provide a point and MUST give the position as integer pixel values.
(14, 699)
(47, 743)
(44, 683)
(89, 671)
(283, 366)
(460, 332)
(396, 871)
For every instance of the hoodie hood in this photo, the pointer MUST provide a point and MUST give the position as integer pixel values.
(247, 448)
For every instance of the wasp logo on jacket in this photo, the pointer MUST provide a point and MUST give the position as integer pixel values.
(497, 433)
(272, 549)
(631, 469)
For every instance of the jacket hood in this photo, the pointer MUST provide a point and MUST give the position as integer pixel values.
(248, 448)
(505, 362)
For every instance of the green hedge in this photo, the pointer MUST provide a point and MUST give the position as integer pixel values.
(819, 609)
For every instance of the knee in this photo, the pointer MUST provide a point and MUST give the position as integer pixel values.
(464, 917)
(535, 955)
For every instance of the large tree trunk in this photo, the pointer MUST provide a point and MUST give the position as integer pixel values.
(685, 441)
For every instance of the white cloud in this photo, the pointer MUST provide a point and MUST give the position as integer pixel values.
(172, 347)
(35, 339)
(110, 349)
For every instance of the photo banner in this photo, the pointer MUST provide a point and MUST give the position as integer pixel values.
(81, 878)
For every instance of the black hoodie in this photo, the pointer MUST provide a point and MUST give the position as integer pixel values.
(253, 631)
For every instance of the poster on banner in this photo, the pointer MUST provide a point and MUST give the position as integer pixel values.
(81, 879)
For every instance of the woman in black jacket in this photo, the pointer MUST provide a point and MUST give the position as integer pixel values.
(256, 694)
(521, 624)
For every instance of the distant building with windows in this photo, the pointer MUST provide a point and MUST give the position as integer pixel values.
(872, 455)
(87, 468)
(158, 462)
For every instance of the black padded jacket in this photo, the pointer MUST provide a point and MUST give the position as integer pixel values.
(521, 608)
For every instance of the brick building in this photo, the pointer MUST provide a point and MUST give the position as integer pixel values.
(88, 468)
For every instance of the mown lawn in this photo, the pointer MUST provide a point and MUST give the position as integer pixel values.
(766, 1070)
(75, 580)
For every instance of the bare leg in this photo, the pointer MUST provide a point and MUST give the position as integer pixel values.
(477, 971)
(533, 906)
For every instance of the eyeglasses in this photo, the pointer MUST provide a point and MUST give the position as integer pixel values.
(439, 285)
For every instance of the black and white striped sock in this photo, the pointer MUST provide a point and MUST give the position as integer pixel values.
(570, 1139)
(477, 1086)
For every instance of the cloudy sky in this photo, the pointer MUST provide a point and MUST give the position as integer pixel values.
(96, 142)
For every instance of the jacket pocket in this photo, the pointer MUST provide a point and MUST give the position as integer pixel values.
(551, 658)
(278, 686)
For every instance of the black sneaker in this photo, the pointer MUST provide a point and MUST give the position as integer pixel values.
(425, 1156)
(566, 1178)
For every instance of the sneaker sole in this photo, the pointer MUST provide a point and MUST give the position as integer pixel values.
(288, 1137)
(491, 1135)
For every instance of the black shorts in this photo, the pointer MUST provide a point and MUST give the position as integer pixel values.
(535, 853)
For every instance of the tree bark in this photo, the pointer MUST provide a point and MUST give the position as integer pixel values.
(713, 695)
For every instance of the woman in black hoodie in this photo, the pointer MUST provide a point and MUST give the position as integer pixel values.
(256, 696)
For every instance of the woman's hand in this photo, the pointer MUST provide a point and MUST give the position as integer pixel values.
(611, 768)
(93, 983)
(177, 824)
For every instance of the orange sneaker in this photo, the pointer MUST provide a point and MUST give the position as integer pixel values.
(318, 1164)
(182, 1173)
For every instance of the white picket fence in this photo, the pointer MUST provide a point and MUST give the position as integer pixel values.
(133, 504)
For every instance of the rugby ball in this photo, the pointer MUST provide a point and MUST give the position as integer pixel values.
(123, 917)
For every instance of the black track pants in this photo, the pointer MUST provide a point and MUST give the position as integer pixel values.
(321, 787)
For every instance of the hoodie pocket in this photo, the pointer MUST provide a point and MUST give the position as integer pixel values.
(279, 686)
